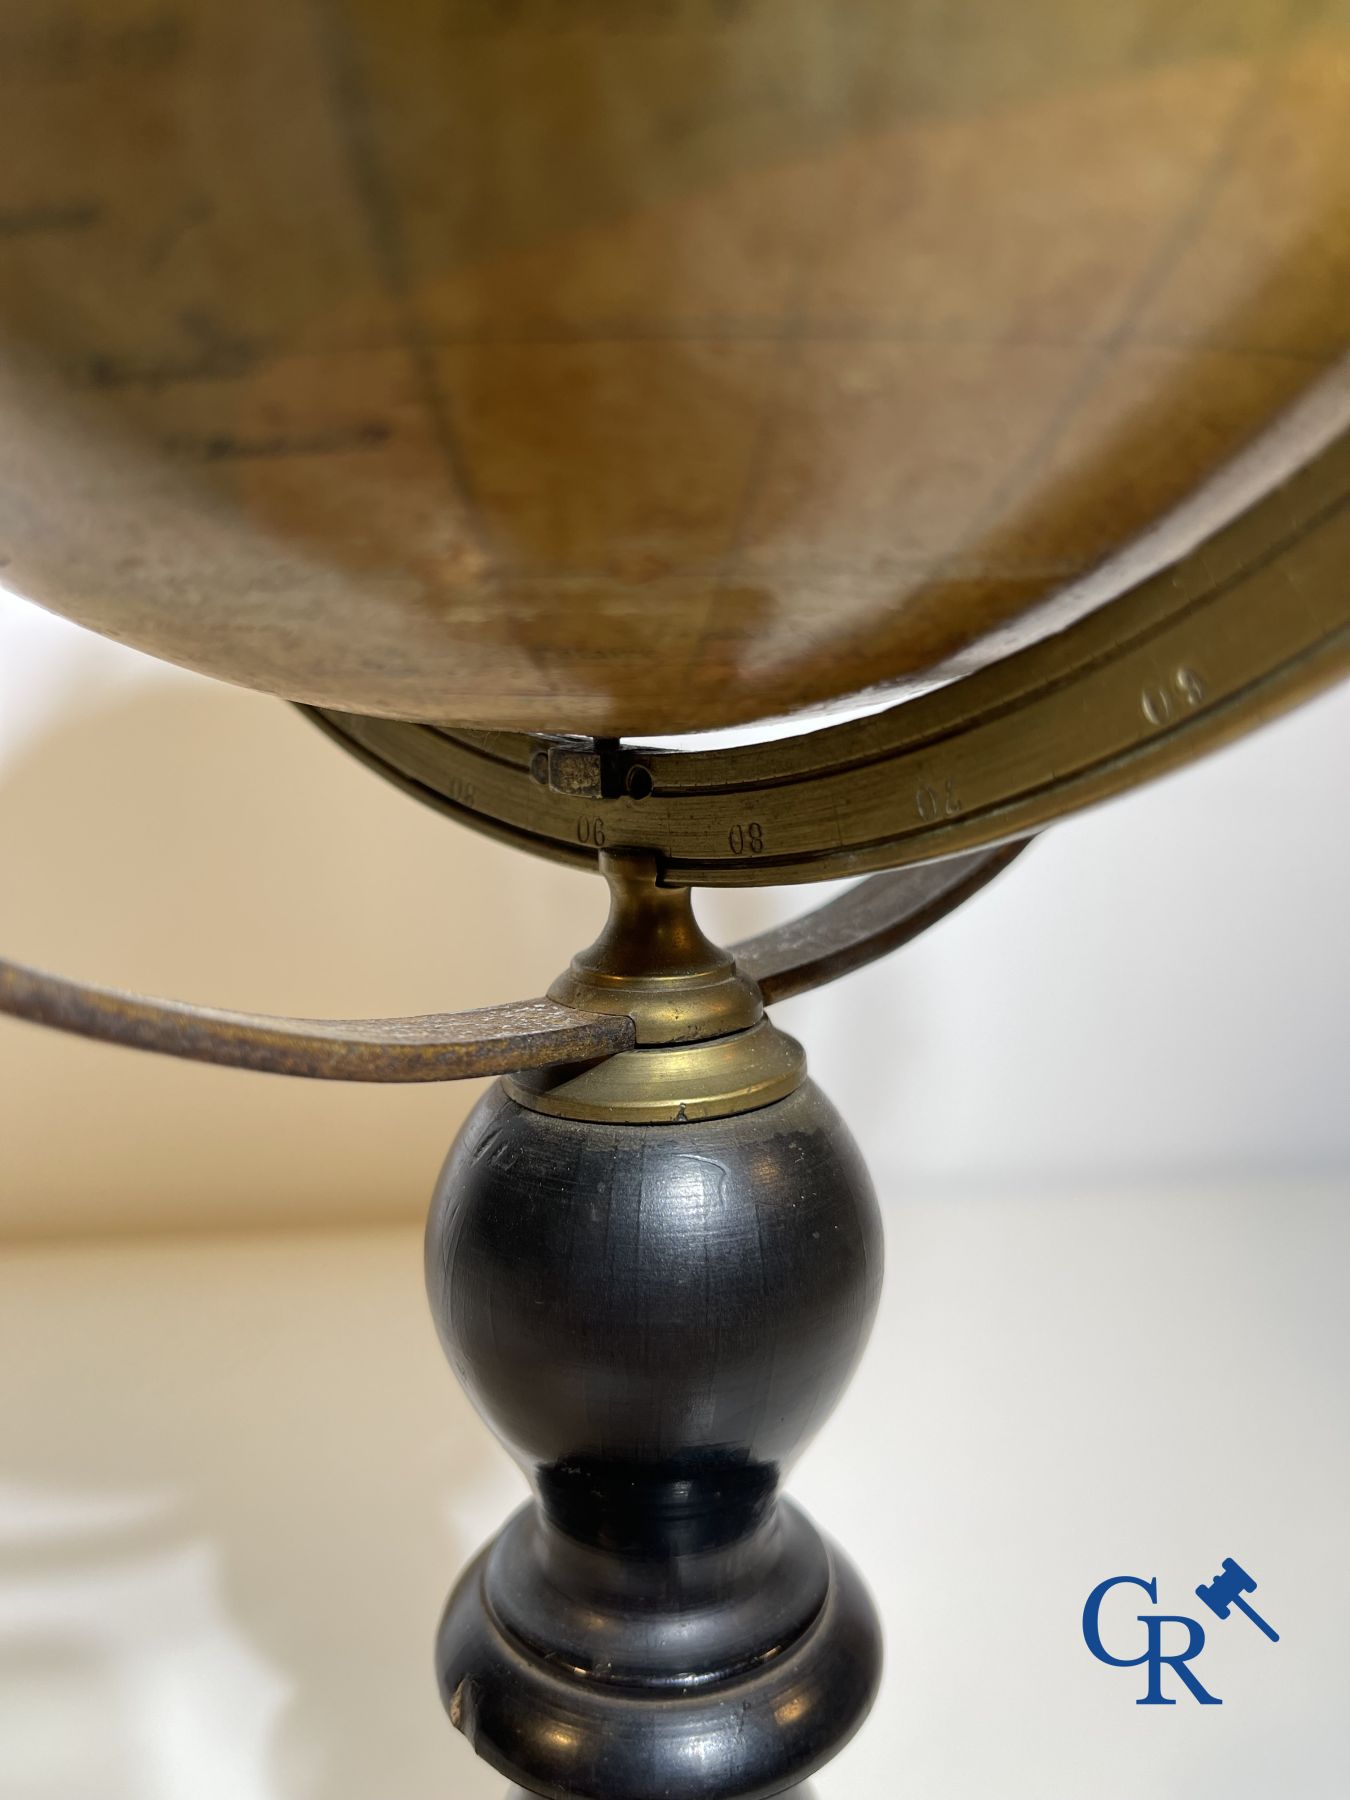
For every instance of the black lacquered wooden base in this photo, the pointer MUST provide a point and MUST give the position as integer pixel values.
(573, 1733)
(806, 1791)
(655, 1318)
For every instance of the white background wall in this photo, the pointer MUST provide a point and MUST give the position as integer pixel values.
(1158, 989)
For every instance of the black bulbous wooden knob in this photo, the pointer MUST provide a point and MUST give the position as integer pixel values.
(655, 1319)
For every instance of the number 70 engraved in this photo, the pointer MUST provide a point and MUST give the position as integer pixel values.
(931, 804)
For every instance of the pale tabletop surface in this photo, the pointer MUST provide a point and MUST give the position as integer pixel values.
(238, 1480)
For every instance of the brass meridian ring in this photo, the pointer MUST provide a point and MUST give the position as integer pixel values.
(1251, 620)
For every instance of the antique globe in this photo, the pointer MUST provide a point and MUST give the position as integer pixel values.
(529, 387)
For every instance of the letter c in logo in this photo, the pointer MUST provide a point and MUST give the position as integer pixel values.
(1092, 1629)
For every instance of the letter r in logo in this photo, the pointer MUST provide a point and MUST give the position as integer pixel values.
(1153, 1650)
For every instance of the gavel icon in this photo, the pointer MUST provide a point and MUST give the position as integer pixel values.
(1226, 1591)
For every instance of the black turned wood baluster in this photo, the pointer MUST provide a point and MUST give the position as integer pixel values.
(655, 1319)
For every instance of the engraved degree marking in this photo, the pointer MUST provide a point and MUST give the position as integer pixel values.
(930, 804)
(1160, 702)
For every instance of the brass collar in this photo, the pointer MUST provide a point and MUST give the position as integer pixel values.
(705, 1050)
(653, 963)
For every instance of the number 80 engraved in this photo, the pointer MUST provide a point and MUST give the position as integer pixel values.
(1161, 702)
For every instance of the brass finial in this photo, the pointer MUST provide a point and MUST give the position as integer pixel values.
(704, 1050)
(654, 963)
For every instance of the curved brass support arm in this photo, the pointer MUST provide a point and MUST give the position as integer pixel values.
(434, 1047)
(870, 920)
(523, 1034)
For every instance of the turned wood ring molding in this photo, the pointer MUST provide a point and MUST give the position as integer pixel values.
(870, 920)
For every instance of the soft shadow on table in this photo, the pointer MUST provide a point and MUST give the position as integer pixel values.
(236, 1482)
